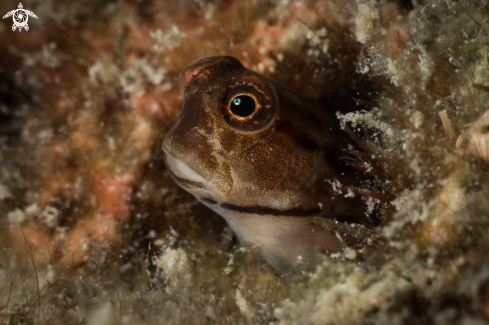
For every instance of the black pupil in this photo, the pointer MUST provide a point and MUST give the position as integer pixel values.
(243, 106)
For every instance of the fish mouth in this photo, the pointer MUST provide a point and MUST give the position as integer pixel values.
(185, 176)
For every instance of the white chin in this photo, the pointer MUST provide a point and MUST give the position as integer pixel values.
(182, 170)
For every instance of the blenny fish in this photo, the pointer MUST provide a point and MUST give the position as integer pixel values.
(263, 157)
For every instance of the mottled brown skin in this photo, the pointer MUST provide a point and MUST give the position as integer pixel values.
(266, 173)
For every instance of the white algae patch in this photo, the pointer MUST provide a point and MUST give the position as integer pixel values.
(103, 316)
(243, 305)
(347, 302)
(16, 217)
(168, 39)
(4, 192)
(174, 262)
(366, 20)
(49, 216)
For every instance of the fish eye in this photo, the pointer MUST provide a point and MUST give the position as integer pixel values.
(249, 103)
(243, 106)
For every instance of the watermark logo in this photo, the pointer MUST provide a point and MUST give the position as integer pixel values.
(20, 16)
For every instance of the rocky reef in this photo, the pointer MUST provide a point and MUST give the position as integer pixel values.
(94, 230)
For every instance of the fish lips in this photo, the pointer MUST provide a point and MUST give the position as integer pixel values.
(187, 178)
